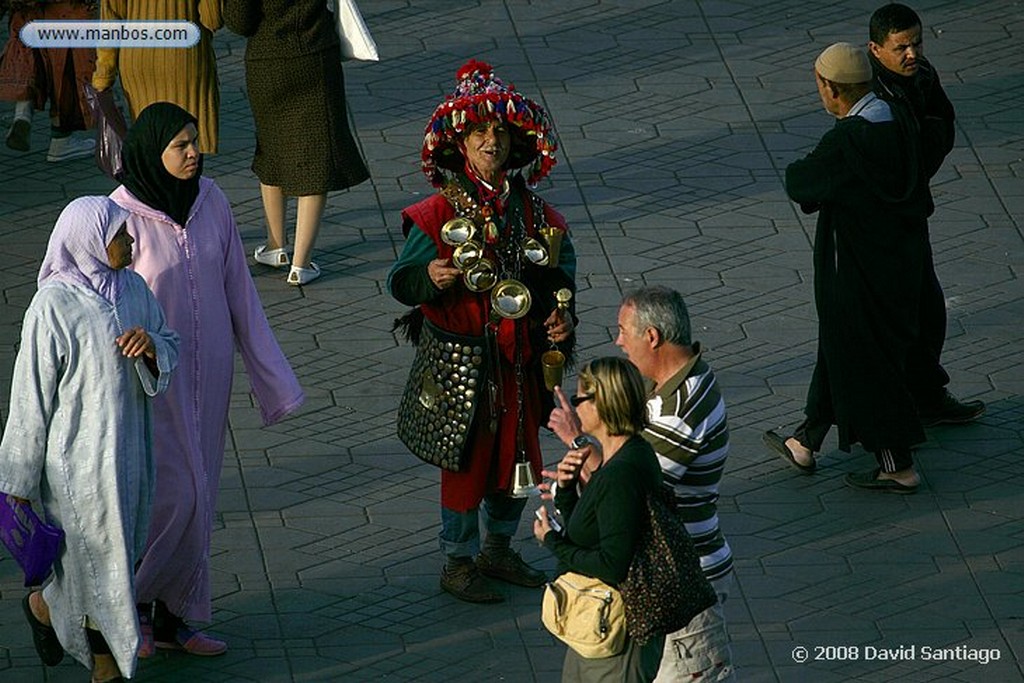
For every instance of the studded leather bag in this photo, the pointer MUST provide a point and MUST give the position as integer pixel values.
(435, 416)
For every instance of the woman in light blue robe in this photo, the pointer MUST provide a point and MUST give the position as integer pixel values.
(94, 348)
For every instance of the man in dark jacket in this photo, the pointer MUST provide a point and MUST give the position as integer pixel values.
(903, 75)
(867, 181)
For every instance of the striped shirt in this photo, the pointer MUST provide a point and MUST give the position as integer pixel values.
(689, 434)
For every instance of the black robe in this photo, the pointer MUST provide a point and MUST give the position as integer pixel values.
(869, 185)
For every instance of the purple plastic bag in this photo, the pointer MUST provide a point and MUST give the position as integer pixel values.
(33, 543)
(111, 129)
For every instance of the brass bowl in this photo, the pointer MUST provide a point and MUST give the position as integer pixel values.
(457, 231)
(480, 276)
(511, 299)
(535, 252)
(466, 254)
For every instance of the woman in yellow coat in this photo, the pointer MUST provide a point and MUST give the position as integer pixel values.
(186, 77)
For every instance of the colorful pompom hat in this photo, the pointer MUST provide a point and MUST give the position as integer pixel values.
(480, 96)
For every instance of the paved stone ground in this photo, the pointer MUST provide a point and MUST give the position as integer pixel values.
(676, 120)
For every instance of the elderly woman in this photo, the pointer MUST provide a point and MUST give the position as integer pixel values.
(94, 347)
(604, 523)
(190, 253)
(474, 144)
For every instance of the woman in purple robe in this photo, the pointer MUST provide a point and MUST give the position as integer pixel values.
(189, 251)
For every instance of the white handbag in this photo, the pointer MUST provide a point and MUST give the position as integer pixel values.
(356, 41)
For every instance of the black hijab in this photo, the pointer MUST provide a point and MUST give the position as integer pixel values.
(144, 172)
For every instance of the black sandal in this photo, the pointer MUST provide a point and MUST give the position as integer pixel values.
(48, 647)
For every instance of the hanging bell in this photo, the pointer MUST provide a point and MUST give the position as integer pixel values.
(523, 483)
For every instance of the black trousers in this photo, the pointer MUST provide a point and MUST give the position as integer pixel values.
(811, 434)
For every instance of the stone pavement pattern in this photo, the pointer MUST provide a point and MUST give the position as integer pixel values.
(676, 120)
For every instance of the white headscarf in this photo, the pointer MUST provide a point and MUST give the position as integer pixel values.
(77, 252)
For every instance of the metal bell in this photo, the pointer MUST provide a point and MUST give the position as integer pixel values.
(523, 483)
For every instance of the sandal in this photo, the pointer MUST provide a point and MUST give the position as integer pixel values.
(777, 443)
(194, 643)
(276, 258)
(302, 276)
(871, 482)
(48, 646)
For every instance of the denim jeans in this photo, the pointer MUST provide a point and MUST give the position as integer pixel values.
(460, 531)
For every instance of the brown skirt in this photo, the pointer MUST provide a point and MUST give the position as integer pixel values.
(303, 142)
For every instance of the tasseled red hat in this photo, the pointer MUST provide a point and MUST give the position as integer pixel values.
(480, 96)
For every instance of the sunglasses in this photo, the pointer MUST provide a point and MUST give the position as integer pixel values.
(577, 400)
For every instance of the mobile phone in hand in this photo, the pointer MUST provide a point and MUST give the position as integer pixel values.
(552, 522)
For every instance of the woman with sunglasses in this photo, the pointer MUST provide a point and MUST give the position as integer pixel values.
(603, 522)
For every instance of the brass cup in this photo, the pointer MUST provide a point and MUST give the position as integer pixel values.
(552, 365)
(553, 238)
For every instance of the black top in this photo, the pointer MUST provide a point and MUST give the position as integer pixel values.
(604, 525)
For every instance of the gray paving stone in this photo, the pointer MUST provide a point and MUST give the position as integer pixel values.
(676, 121)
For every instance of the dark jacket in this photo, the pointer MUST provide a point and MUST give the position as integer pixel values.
(922, 93)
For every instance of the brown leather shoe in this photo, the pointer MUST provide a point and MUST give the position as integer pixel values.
(462, 580)
(506, 564)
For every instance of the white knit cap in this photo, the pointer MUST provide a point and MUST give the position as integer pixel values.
(843, 63)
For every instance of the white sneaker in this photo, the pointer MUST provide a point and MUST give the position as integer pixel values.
(302, 276)
(70, 147)
(277, 258)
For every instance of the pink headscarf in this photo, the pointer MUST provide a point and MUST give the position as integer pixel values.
(77, 252)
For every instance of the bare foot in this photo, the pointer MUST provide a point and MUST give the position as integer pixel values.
(907, 477)
(40, 609)
(104, 668)
(801, 454)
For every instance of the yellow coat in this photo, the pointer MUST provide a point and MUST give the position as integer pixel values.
(185, 76)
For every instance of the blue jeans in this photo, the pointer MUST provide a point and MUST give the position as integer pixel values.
(460, 531)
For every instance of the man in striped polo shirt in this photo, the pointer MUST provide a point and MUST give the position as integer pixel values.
(689, 434)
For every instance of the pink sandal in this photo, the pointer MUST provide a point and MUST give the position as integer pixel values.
(194, 643)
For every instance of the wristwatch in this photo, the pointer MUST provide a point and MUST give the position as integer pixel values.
(581, 441)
